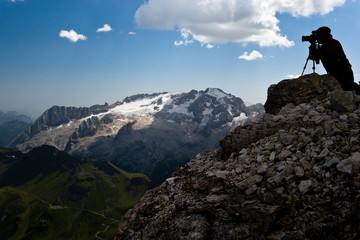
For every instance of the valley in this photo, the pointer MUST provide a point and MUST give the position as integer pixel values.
(48, 194)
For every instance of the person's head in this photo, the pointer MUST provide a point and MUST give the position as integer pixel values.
(323, 34)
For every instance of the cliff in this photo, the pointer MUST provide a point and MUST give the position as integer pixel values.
(292, 175)
(56, 116)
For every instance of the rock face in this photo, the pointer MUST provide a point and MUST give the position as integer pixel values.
(294, 175)
(55, 116)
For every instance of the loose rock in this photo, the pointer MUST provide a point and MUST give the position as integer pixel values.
(292, 175)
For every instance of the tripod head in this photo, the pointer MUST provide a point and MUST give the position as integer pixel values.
(313, 54)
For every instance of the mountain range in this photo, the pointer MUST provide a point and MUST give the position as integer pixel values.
(148, 133)
(12, 115)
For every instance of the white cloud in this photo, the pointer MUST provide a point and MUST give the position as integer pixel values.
(222, 21)
(132, 33)
(105, 28)
(209, 46)
(16, 0)
(252, 56)
(72, 35)
(185, 34)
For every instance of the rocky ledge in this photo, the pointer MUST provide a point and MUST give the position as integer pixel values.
(292, 175)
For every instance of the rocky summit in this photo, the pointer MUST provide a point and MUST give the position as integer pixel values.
(292, 175)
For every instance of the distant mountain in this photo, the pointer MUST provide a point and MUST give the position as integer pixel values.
(147, 133)
(11, 129)
(12, 115)
(11, 125)
(48, 194)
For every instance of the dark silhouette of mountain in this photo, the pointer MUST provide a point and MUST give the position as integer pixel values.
(10, 130)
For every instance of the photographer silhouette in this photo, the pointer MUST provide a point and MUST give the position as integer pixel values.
(333, 58)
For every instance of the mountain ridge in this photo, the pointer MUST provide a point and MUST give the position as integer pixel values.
(13, 115)
(147, 133)
(58, 115)
(294, 174)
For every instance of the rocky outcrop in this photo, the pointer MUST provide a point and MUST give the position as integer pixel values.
(294, 175)
(87, 128)
(290, 93)
(304, 89)
(141, 96)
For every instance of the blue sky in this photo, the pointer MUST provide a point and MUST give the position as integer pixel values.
(85, 52)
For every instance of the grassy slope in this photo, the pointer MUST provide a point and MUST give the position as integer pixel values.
(69, 201)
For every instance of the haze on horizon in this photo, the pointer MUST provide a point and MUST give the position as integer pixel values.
(85, 52)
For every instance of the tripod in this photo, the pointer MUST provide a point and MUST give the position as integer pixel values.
(306, 64)
(314, 57)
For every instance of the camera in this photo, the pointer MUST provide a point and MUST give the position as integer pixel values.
(313, 49)
(312, 38)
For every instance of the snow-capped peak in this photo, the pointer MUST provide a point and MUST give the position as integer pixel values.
(216, 92)
(143, 106)
(210, 107)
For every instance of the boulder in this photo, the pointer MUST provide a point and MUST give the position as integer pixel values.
(300, 90)
(344, 101)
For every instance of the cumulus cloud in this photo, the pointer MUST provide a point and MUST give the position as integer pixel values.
(222, 21)
(105, 28)
(252, 56)
(72, 35)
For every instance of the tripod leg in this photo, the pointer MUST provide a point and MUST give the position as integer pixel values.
(305, 66)
(313, 66)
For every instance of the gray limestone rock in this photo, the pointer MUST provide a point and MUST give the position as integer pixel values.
(293, 175)
(344, 101)
(304, 186)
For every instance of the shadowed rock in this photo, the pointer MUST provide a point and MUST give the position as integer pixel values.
(293, 175)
